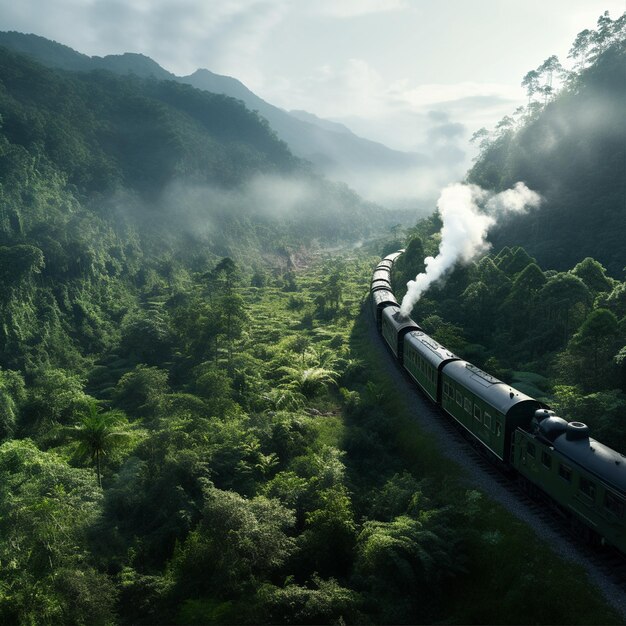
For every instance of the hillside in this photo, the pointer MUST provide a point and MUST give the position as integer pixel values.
(572, 151)
(112, 185)
(110, 134)
(333, 150)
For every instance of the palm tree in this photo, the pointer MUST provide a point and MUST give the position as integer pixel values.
(98, 433)
(308, 381)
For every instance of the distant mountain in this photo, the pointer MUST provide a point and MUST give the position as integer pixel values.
(336, 127)
(47, 52)
(178, 163)
(53, 54)
(104, 130)
(331, 147)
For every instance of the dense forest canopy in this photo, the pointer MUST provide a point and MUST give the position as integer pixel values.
(570, 146)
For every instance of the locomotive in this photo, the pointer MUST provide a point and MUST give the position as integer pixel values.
(551, 457)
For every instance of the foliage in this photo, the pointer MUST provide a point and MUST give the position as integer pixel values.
(97, 434)
(46, 509)
(568, 145)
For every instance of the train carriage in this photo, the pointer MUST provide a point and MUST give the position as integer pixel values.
(382, 274)
(423, 359)
(394, 327)
(382, 298)
(393, 256)
(488, 408)
(580, 474)
(380, 284)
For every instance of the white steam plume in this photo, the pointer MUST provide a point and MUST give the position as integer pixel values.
(464, 230)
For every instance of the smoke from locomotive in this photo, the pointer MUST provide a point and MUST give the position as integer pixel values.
(467, 213)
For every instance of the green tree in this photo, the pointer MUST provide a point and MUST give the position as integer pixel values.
(47, 510)
(404, 562)
(97, 434)
(593, 274)
(589, 356)
(224, 274)
(531, 83)
(566, 300)
(141, 392)
(579, 51)
(56, 397)
(237, 540)
(308, 381)
(146, 337)
(12, 396)
(319, 602)
(522, 305)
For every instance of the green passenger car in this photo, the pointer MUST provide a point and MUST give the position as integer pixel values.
(423, 359)
(488, 408)
(394, 327)
(381, 298)
(583, 476)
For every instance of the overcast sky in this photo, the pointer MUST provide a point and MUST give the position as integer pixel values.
(392, 70)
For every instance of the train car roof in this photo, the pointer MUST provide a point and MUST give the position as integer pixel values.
(393, 256)
(600, 460)
(376, 284)
(499, 395)
(380, 296)
(400, 323)
(431, 350)
(380, 285)
(383, 273)
(385, 263)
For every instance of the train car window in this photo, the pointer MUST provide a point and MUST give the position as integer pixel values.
(477, 413)
(487, 420)
(546, 460)
(565, 472)
(468, 406)
(446, 389)
(498, 429)
(459, 398)
(587, 487)
(530, 449)
(614, 504)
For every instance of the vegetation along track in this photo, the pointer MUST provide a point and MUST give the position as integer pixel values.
(606, 569)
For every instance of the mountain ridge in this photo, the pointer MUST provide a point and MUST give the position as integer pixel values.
(333, 151)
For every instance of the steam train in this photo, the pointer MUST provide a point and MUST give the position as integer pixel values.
(551, 457)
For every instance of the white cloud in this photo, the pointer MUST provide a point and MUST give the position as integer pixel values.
(182, 35)
(426, 95)
(356, 93)
(354, 8)
(332, 90)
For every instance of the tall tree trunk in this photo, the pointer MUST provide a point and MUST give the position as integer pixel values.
(98, 469)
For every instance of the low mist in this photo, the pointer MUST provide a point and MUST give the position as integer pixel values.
(468, 213)
(265, 211)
